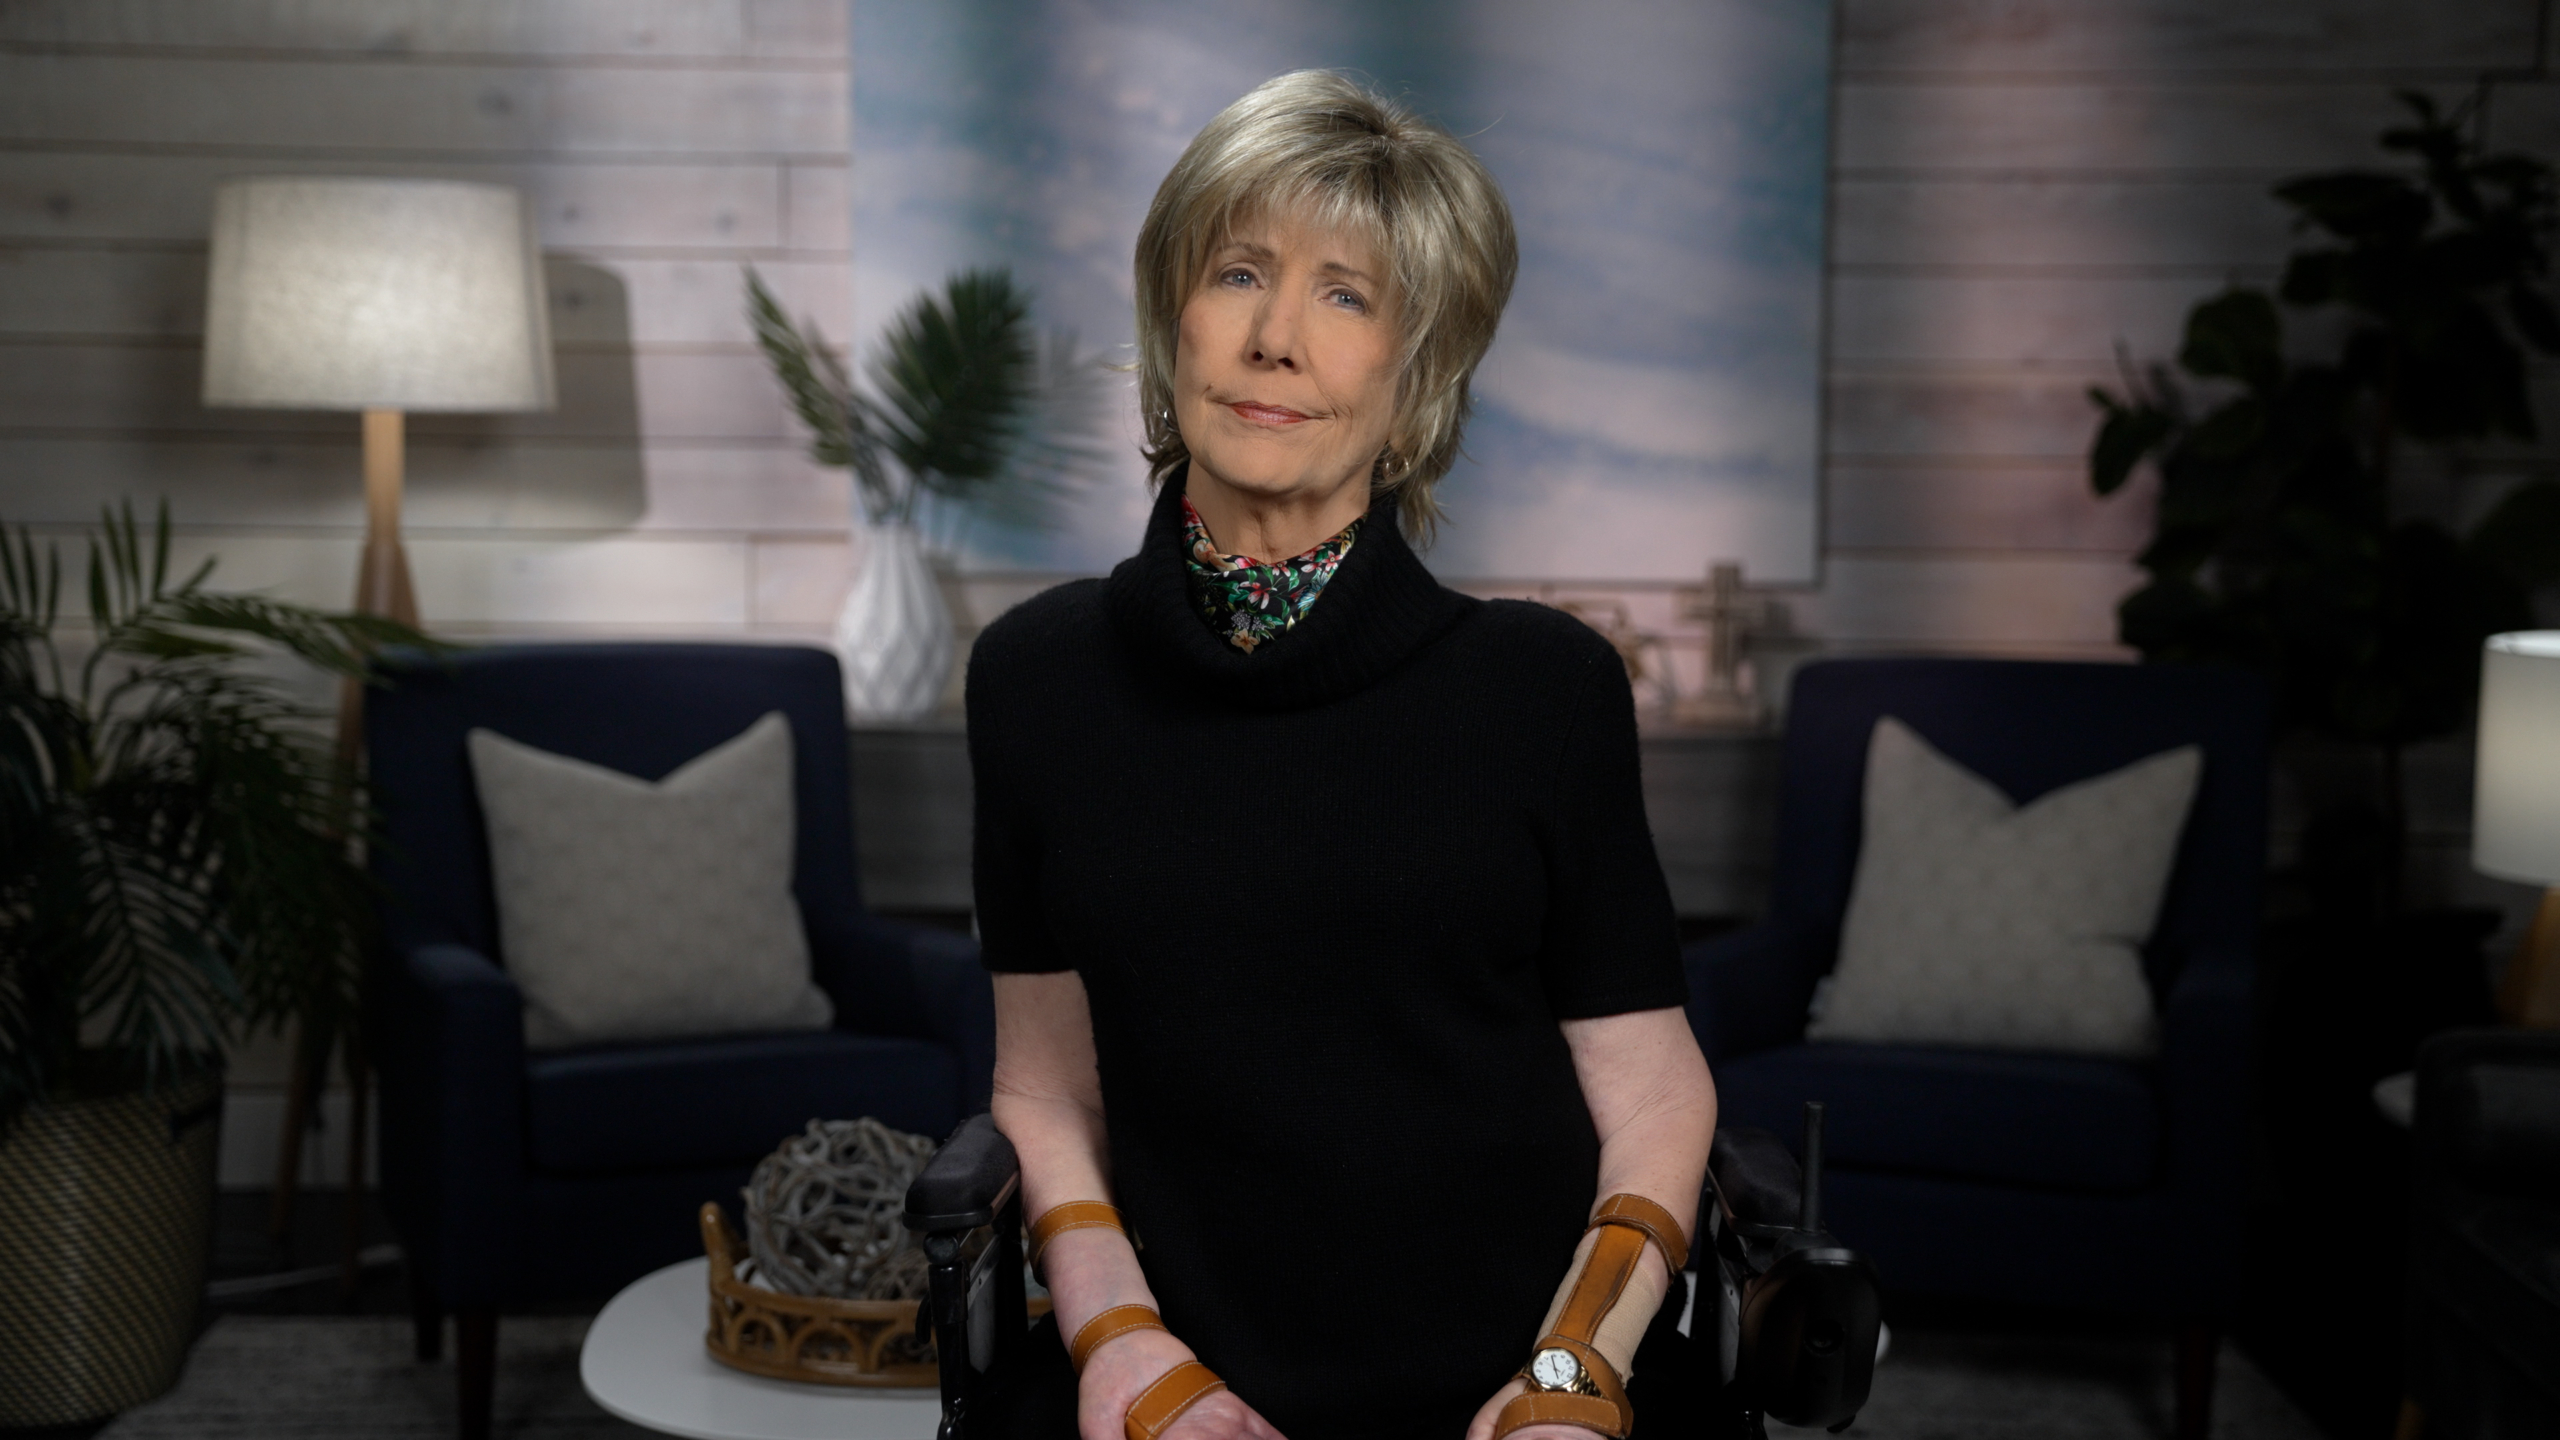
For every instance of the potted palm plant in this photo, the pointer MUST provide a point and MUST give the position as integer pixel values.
(174, 865)
(968, 413)
(2353, 492)
(2302, 527)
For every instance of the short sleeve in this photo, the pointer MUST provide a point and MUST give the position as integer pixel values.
(1013, 933)
(1612, 944)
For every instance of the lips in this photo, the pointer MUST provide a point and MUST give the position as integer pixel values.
(1255, 412)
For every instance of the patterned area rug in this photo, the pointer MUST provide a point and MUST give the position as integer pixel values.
(302, 1378)
(1957, 1386)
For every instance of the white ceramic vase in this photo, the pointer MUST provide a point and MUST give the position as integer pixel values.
(894, 633)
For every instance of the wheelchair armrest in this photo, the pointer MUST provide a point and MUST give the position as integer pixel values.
(972, 1177)
(1754, 1175)
(1796, 1312)
(975, 1310)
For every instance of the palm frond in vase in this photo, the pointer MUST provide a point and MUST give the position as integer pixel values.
(967, 403)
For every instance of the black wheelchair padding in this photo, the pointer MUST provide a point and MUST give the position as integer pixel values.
(1759, 1180)
(967, 1181)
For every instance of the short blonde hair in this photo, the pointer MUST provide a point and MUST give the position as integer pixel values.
(1326, 148)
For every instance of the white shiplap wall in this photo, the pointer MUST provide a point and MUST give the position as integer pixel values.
(665, 143)
(2018, 185)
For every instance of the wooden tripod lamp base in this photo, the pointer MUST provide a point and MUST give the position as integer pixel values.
(2529, 994)
(382, 580)
(382, 588)
(384, 295)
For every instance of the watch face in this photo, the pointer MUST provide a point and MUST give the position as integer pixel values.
(1555, 1369)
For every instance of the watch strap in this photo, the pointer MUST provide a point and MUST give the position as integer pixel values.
(1596, 1369)
(1057, 1220)
(1108, 1325)
(1162, 1403)
(1638, 1213)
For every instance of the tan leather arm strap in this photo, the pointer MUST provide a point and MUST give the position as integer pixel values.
(1110, 1324)
(1547, 1407)
(1615, 1252)
(1057, 1220)
(1657, 1223)
(1162, 1403)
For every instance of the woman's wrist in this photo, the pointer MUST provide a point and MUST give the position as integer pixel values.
(1090, 1271)
(1120, 1369)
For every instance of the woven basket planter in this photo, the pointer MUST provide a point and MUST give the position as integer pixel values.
(106, 1227)
(807, 1337)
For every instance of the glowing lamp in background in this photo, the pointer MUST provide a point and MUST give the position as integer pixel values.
(380, 296)
(2515, 817)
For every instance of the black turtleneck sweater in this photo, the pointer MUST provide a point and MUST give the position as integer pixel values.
(1329, 901)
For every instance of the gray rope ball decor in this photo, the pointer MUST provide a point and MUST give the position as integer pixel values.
(823, 1212)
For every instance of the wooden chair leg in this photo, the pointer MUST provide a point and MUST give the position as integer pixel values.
(359, 1106)
(2199, 1345)
(427, 1317)
(475, 1371)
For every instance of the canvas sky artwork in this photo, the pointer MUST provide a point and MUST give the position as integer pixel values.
(1652, 403)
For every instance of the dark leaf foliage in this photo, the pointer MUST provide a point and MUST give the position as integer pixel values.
(2276, 546)
(175, 832)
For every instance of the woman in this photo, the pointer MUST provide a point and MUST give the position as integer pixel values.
(1331, 947)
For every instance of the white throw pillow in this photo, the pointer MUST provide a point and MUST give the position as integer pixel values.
(632, 911)
(1974, 921)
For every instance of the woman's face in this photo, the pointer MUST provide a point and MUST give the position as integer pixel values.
(1284, 364)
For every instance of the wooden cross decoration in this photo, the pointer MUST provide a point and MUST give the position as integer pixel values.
(1729, 616)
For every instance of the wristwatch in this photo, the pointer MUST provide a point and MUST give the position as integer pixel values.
(1558, 1370)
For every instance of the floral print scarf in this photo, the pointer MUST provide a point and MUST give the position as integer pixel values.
(1248, 601)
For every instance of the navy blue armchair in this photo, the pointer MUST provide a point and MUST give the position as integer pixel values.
(2047, 1180)
(517, 1178)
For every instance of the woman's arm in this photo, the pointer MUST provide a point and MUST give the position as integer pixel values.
(1654, 1105)
(1048, 1102)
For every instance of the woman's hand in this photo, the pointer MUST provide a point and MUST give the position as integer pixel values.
(1122, 1367)
(1481, 1428)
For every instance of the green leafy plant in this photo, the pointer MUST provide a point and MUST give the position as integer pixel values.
(966, 404)
(174, 832)
(2283, 541)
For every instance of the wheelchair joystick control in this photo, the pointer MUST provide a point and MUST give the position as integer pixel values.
(1797, 1311)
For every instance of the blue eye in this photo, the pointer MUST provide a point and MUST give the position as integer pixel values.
(1350, 301)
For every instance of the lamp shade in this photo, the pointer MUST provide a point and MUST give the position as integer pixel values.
(355, 294)
(2515, 814)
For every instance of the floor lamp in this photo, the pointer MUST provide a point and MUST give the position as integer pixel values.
(382, 297)
(2515, 815)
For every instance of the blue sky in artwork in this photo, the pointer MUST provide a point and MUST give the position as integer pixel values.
(1652, 402)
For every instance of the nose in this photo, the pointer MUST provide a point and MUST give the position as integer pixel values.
(1274, 338)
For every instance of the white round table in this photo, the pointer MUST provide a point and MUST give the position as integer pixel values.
(644, 1361)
